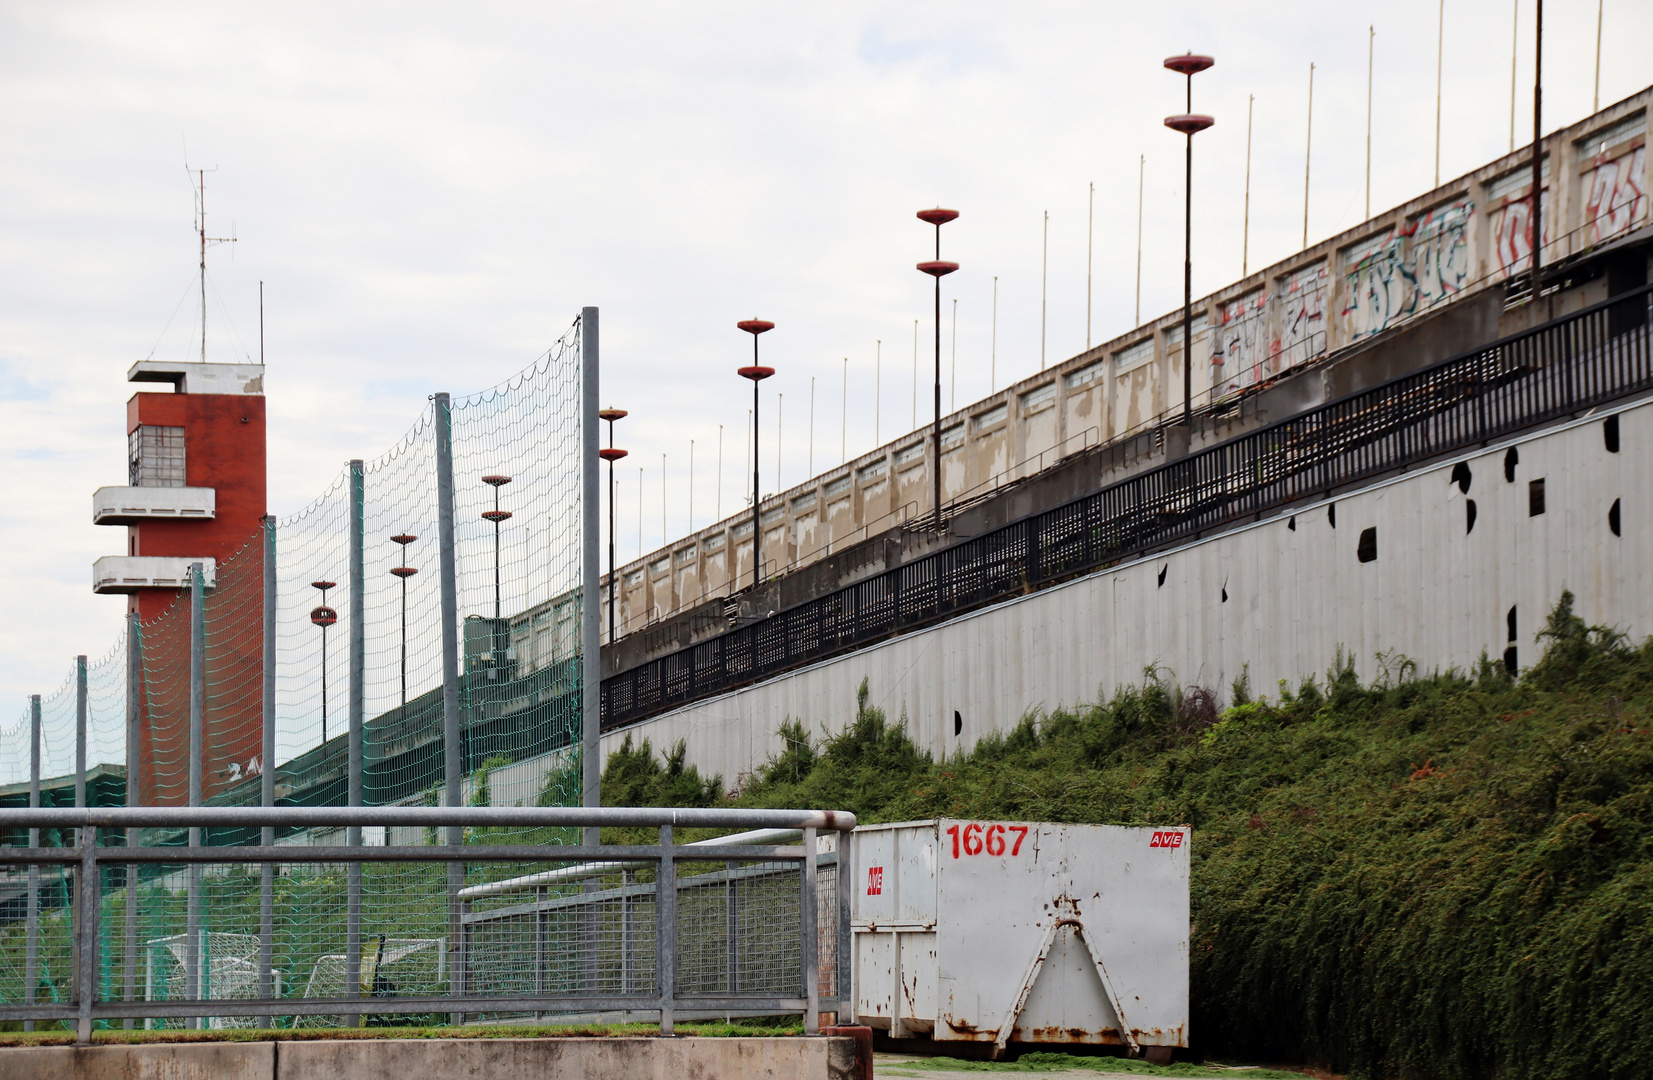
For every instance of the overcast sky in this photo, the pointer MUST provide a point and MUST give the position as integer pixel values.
(431, 192)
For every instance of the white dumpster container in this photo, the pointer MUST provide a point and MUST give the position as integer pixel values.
(999, 931)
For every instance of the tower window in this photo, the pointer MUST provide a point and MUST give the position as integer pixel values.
(155, 456)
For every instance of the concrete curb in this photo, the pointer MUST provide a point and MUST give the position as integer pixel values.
(689, 1058)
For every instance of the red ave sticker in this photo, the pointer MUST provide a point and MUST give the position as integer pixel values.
(875, 881)
(1166, 840)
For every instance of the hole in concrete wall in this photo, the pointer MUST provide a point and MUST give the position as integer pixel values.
(1331, 514)
(958, 723)
(1469, 516)
(1225, 589)
(1535, 497)
(1292, 524)
(1509, 660)
(1462, 476)
(1614, 521)
(1367, 549)
(1162, 570)
(1610, 433)
(1511, 460)
(1510, 621)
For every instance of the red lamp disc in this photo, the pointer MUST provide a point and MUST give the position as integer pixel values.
(755, 372)
(404, 571)
(1189, 123)
(755, 326)
(937, 268)
(610, 453)
(611, 415)
(496, 516)
(938, 216)
(1188, 63)
(324, 616)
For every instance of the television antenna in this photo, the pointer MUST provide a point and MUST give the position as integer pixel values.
(200, 177)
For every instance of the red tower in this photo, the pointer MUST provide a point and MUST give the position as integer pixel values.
(195, 493)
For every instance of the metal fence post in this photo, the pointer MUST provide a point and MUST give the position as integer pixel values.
(665, 929)
(86, 933)
(134, 707)
(266, 776)
(844, 967)
(591, 681)
(197, 717)
(358, 698)
(81, 989)
(452, 766)
(809, 929)
(31, 947)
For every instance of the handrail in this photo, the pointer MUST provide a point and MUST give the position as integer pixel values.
(181, 817)
(1578, 361)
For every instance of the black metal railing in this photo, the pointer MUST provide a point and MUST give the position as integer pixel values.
(1563, 367)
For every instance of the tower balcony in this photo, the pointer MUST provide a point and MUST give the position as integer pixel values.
(130, 573)
(136, 505)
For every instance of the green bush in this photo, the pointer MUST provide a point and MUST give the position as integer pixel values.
(1443, 876)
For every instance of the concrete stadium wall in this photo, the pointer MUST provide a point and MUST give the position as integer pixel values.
(1468, 236)
(1281, 596)
(827, 1058)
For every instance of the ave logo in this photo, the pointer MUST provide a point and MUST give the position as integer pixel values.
(1169, 839)
(875, 881)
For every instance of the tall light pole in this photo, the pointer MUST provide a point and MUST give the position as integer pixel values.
(404, 572)
(1188, 123)
(757, 373)
(496, 517)
(611, 454)
(323, 616)
(937, 269)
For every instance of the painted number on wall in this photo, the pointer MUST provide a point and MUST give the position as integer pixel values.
(978, 839)
(1166, 840)
(875, 881)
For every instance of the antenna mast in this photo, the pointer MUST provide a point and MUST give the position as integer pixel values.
(206, 241)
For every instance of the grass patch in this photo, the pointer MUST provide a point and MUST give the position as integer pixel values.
(1043, 1061)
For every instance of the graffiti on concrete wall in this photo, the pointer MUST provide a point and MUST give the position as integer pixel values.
(1510, 210)
(1377, 285)
(1440, 253)
(1244, 340)
(1301, 297)
(1617, 200)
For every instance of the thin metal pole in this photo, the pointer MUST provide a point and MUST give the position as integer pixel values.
(1044, 288)
(1090, 238)
(915, 374)
(935, 471)
(1515, 48)
(1308, 156)
(452, 752)
(757, 482)
(80, 735)
(591, 676)
(197, 716)
(266, 787)
(86, 916)
(31, 947)
(1595, 99)
(1371, 41)
(613, 566)
(811, 452)
(1440, 49)
(780, 402)
(809, 930)
(665, 897)
(993, 353)
(1538, 150)
(134, 706)
(877, 392)
(953, 375)
(844, 952)
(358, 699)
(1245, 226)
(1188, 273)
(1141, 167)
(665, 536)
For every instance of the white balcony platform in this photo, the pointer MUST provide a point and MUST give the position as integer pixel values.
(188, 378)
(135, 505)
(129, 573)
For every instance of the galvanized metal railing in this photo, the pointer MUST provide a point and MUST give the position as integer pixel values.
(420, 939)
(1589, 358)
